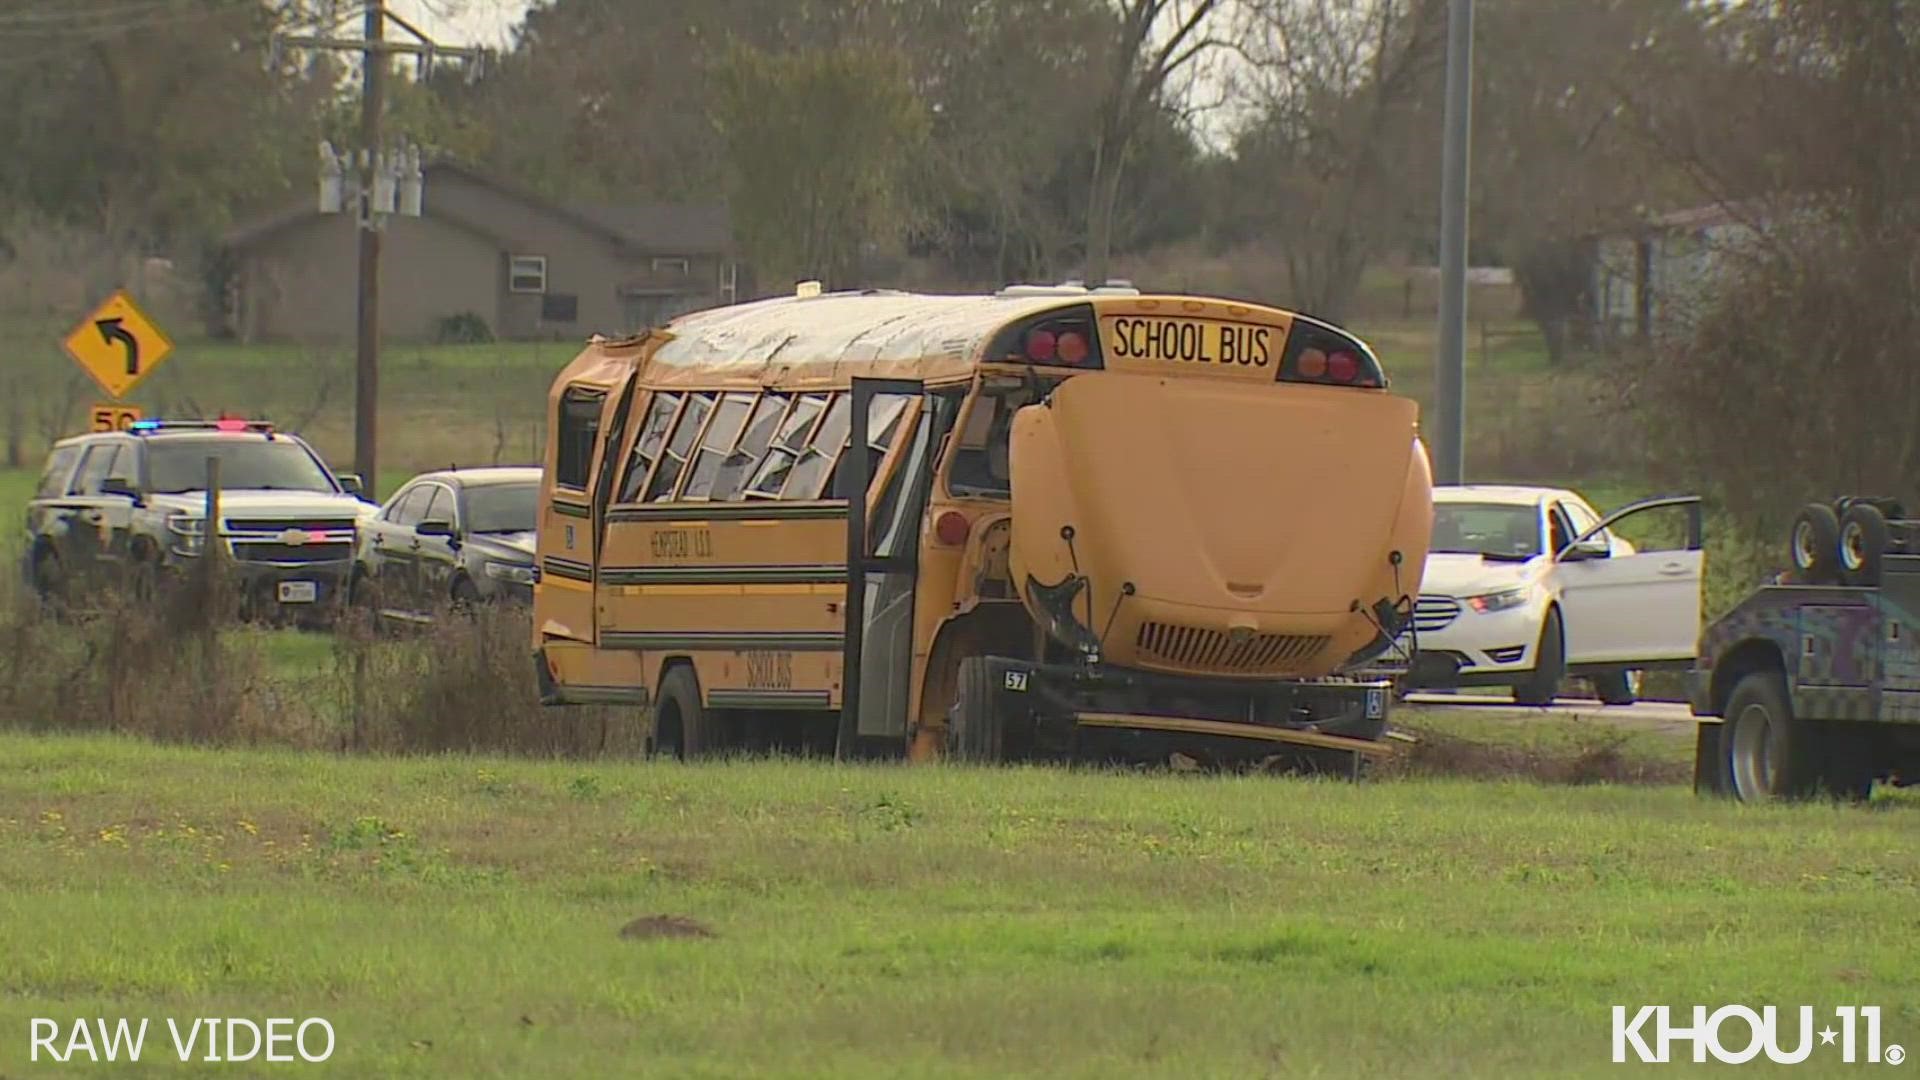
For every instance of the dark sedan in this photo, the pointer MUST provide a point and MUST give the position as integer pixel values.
(460, 536)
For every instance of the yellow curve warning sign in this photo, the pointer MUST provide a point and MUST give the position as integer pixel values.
(117, 344)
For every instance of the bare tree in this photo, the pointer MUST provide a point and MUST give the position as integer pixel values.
(1142, 67)
(1338, 159)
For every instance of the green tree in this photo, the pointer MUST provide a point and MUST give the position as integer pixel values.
(818, 143)
(152, 123)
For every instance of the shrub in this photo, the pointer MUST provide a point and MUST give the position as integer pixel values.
(465, 684)
(466, 328)
(167, 667)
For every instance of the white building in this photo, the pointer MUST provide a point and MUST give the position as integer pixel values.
(1649, 283)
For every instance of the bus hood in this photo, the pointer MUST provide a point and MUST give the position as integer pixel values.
(1218, 528)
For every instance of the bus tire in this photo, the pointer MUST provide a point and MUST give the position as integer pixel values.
(975, 730)
(1814, 544)
(1771, 754)
(682, 726)
(1542, 684)
(1863, 544)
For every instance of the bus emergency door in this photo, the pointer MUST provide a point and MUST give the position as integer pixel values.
(883, 564)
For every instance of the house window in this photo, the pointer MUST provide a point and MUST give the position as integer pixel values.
(672, 264)
(527, 273)
(579, 433)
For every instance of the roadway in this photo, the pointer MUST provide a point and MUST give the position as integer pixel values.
(1666, 717)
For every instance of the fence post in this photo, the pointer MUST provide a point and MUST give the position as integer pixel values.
(211, 550)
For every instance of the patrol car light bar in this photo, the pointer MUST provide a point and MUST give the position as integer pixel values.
(222, 424)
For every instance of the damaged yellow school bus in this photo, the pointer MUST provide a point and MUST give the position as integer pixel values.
(993, 527)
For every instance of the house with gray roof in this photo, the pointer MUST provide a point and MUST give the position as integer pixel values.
(526, 267)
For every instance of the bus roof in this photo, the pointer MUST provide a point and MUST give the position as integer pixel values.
(820, 342)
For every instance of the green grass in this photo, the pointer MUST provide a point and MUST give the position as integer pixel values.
(462, 916)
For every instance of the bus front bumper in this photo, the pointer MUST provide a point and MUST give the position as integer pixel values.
(1054, 708)
(1226, 729)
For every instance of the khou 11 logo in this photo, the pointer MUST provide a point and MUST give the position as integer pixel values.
(1651, 1035)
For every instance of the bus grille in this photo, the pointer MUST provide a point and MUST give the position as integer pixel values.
(1193, 648)
(1432, 613)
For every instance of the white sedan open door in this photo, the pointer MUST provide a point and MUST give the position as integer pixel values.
(1641, 609)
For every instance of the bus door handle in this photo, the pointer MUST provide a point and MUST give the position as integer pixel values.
(1673, 569)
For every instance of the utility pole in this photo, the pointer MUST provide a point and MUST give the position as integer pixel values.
(366, 367)
(1450, 360)
(385, 184)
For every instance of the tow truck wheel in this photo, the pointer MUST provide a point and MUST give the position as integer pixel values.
(1815, 544)
(1769, 752)
(975, 731)
(1863, 542)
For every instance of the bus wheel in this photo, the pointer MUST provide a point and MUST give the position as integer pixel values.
(975, 732)
(1769, 751)
(681, 725)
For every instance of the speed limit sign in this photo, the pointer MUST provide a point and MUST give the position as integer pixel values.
(114, 417)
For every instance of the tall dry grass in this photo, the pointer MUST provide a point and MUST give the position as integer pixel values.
(176, 664)
(463, 684)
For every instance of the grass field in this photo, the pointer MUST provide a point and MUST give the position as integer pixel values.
(463, 916)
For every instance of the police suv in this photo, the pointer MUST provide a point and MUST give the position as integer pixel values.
(131, 507)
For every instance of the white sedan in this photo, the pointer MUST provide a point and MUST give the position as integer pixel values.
(1526, 585)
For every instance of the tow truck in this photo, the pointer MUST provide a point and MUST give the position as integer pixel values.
(1811, 684)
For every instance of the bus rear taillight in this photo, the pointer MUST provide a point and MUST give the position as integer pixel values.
(1063, 337)
(951, 529)
(1045, 345)
(1319, 353)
